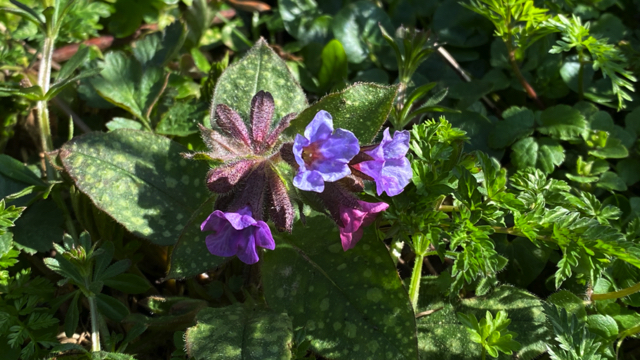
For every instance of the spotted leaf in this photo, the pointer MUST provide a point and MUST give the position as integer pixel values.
(190, 256)
(260, 69)
(237, 333)
(442, 336)
(139, 179)
(350, 305)
(361, 109)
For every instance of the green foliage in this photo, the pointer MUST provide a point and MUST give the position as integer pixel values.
(152, 197)
(491, 333)
(236, 332)
(531, 181)
(444, 335)
(8, 216)
(362, 108)
(356, 27)
(516, 21)
(573, 340)
(26, 325)
(260, 69)
(604, 56)
(189, 257)
(334, 66)
(345, 302)
(136, 84)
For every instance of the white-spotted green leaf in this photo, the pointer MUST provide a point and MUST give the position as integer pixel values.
(260, 69)
(190, 256)
(350, 305)
(138, 178)
(441, 335)
(361, 108)
(237, 333)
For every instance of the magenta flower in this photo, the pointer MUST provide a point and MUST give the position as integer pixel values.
(237, 233)
(354, 220)
(390, 168)
(323, 154)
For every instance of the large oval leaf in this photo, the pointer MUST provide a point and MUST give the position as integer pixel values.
(190, 256)
(139, 179)
(350, 305)
(236, 333)
(442, 336)
(361, 108)
(260, 69)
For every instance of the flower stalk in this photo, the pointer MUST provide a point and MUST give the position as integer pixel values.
(44, 81)
(617, 294)
(95, 332)
(416, 275)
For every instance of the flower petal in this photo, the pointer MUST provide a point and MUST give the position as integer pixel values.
(372, 168)
(320, 128)
(239, 221)
(398, 146)
(247, 251)
(342, 145)
(298, 147)
(349, 240)
(224, 243)
(331, 170)
(397, 174)
(372, 210)
(309, 180)
(264, 239)
(214, 222)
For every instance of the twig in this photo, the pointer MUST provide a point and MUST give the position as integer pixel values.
(428, 312)
(463, 74)
(76, 119)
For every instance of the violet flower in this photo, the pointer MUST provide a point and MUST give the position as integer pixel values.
(350, 213)
(237, 233)
(322, 153)
(354, 220)
(390, 168)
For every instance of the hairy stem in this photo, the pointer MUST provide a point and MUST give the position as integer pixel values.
(95, 333)
(617, 294)
(44, 81)
(414, 287)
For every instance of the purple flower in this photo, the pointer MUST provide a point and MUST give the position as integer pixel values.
(322, 153)
(355, 219)
(390, 168)
(237, 233)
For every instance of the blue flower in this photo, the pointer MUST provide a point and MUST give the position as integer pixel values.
(237, 233)
(322, 153)
(390, 168)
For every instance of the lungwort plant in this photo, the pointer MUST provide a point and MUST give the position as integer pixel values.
(379, 180)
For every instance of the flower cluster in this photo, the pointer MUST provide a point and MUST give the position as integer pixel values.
(256, 179)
